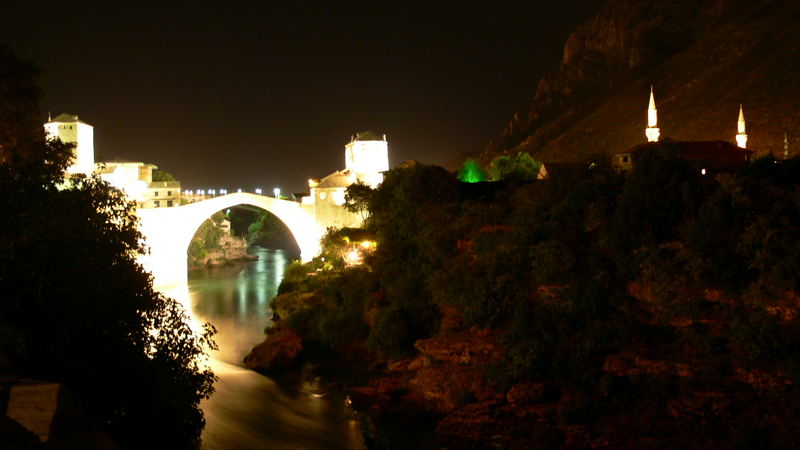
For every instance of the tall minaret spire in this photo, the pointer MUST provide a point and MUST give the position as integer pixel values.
(785, 145)
(652, 132)
(741, 136)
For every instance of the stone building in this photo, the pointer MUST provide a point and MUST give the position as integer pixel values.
(366, 158)
(707, 155)
(133, 178)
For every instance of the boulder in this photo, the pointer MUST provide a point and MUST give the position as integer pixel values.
(278, 351)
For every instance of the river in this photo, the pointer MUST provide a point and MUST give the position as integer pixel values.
(249, 410)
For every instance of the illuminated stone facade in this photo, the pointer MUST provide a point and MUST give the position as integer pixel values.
(135, 179)
(366, 156)
(70, 129)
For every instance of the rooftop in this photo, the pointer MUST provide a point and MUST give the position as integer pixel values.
(67, 118)
(693, 148)
(367, 136)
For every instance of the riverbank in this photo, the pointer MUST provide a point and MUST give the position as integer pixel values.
(438, 396)
(231, 251)
(250, 410)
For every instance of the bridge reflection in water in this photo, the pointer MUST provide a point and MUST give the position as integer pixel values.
(168, 231)
(250, 410)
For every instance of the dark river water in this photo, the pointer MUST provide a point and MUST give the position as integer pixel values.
(249, 410)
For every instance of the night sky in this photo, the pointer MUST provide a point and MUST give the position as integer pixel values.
(268, 95)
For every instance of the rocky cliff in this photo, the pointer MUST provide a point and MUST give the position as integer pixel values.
(703, 58)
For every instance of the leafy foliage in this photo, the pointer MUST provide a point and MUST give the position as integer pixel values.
(472, 172)
(357, 198)
(520, 167)
(77, 308)
(162, 175)
(626, 294)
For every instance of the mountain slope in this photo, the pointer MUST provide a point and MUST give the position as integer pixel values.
(703, 58)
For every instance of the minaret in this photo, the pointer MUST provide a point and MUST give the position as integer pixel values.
(741, 137)
(652, 132)
(785, 145)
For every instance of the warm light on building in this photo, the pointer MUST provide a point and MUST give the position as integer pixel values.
(366, 156)
(69, 129)
(741, 136)
(652, 132)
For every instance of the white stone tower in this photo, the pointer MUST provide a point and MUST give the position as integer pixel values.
(70, 129)
(652, 132)
(366, 156)
(741, 136)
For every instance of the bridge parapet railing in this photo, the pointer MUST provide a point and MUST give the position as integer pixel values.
(164, 184)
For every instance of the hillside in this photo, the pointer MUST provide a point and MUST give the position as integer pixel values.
(703, 58)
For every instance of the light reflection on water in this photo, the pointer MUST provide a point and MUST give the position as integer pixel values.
(249, 410)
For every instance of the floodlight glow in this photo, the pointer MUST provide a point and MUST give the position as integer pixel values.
(277, 192)
(239, 190)
(168, 231)
(258, 191)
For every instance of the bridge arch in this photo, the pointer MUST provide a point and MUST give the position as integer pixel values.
(169, 231)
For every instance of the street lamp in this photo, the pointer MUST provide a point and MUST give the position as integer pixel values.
(258, 191)
(277, 192)
(239, 190)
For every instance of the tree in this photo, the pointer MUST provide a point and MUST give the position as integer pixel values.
(77, 308)
(472, 172)
(521, 167)
(357, 197)
(162, 175)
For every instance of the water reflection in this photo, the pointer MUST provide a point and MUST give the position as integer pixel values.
(249, 410)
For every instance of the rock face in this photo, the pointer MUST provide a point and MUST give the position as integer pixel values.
(231, 249)
(278, 351)
(703, 58)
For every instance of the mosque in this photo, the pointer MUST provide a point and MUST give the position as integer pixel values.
(710, 155)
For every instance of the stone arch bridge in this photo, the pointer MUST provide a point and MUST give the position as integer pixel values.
(169, 231)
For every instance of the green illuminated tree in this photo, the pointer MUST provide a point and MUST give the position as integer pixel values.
(472, 172)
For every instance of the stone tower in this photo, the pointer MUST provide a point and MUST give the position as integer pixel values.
(70, 129)
(366, 156)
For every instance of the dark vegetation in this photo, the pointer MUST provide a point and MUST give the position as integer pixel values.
(206, 238)
(261, 228)
(75, 307)
(658, 307)
(162, 175)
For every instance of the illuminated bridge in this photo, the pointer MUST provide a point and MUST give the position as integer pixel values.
(168, 231)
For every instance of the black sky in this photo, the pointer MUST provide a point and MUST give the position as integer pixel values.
(227, 95)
